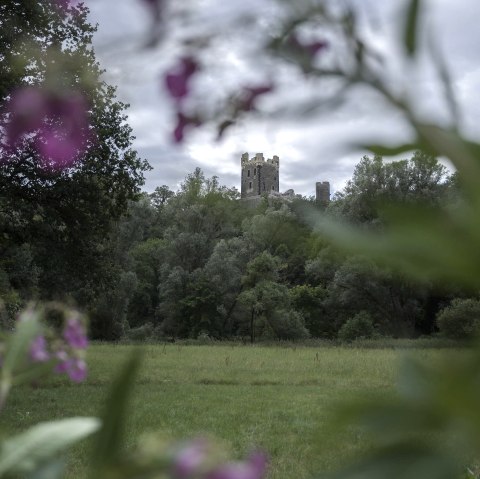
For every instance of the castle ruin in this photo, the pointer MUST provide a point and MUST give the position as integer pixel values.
(261, 177)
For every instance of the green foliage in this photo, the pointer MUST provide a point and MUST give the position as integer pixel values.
(460, 319)
(110, 441)
(359, 326)
(55, 223)
(28, 452)
(375, 183)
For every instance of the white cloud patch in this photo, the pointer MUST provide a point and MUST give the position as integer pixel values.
(318, 148)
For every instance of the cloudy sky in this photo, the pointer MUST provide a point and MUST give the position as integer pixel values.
(316, 148)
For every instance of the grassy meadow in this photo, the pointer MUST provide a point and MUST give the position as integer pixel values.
(275, 398)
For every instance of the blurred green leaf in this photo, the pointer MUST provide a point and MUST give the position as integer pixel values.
(402, 461)
(411, 26)
(33, 372)
(52, 470)
(26, 329)
(28, 450)
(110, 439)
(384, 150)
(444, 74)
(420, 241)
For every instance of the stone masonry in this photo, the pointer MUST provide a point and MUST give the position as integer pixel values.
(259, 176)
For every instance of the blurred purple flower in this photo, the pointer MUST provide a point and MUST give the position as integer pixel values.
(61, 124)
(75, 368)
(189, 459)
(63, 359)
(254, 468)
(249, 96)
(183, 121)
(308, 49)
(38, 350)
(178, 78)
(74, 333)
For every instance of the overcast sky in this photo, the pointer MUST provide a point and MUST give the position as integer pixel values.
(310, 150)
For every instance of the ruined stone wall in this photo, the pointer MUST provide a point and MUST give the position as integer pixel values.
(259, 176)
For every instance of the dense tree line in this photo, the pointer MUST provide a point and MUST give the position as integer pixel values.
(55, 221)
(198, 263)
(190, 263)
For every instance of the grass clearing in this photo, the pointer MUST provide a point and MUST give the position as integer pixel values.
(275, 398)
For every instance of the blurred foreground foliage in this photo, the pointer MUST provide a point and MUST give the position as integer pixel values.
(431, 428)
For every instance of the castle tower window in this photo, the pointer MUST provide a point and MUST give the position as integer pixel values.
(273, 188)
(263, 186)
(248, 172)
(254, 171)
(250, 184)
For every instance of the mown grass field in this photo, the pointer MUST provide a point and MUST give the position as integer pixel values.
(275, 398)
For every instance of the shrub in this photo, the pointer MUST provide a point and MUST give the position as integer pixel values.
(288, 325)
(460, 320)
(360, 326)
(141, 333)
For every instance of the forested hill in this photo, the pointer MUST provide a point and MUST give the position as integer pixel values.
(197, 263)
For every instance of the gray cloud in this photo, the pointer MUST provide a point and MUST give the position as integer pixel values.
(310, 149)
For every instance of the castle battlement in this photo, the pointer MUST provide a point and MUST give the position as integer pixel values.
(259, 160)
(259, 176)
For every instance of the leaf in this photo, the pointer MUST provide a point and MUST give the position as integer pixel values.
(445, 78)
(411, 27)
(422, 242)
(26, 329)
(384, 150)
(51, 470)
(110, 439)
(26, 451)
(403, 461)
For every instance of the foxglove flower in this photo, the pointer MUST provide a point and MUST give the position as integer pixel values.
(254, 468)
(249, 96)
(74, 333)
(76, 369)
(177, 80)
(38, 350)
(189, 460)
(183, 122)
(59, 122)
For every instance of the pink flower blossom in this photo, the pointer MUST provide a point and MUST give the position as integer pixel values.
(177, 80)
(74, 333)
(59, 122)
(183, 122)
(188, 461)
(75, 368)
(254, 468)
(308, 49)
(249, 96)
(38, 350)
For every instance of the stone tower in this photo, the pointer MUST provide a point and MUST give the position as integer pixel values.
(322, 192)
(259, 176)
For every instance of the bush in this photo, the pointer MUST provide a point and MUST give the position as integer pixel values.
(460, 320)
(288, 325)
(141, 333)
(360, 326)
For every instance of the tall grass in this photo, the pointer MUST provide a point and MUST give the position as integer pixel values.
(275, 398)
